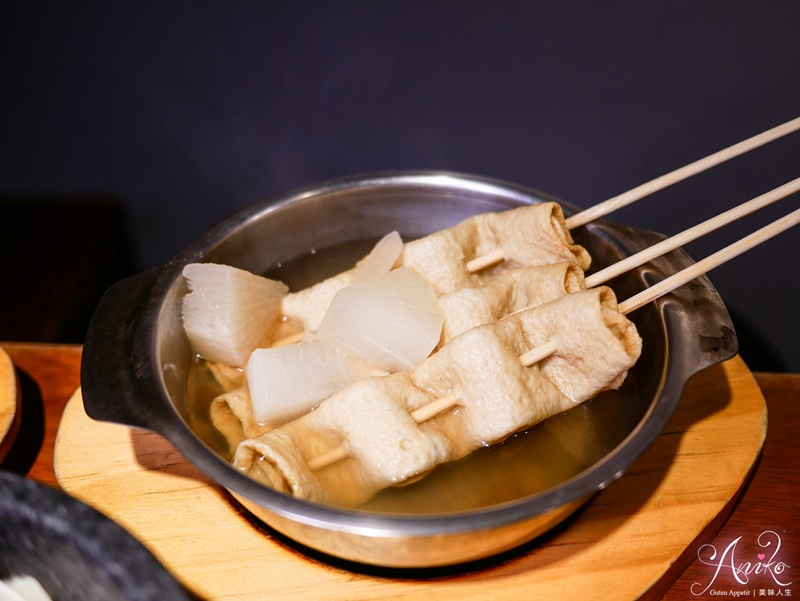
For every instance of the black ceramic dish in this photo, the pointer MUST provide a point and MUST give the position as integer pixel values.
(75, 552)
(136, 358)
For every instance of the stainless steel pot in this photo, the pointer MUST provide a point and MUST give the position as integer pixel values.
(136, 359)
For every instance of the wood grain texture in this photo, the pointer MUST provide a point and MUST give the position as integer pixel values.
(48, 375)
(631, 540)
(9, 404)
(771, 501)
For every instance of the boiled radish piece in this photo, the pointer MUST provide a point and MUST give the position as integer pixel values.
(22, 588)
(391, 322)
(287, 381)
(381, 258)
(229, 312)
(307, 307)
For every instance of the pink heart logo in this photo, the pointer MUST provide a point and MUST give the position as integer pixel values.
(761, 556)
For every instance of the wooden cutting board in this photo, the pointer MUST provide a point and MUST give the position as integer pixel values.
(631, 540)
(9, 404)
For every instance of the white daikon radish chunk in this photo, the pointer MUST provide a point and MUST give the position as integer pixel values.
(288, 381)
(381, 258)
(392, 322)
(229, 312)
(23, 588)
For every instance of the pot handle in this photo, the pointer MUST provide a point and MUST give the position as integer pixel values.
(117, 379)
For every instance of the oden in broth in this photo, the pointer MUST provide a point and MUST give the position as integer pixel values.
(525, 464)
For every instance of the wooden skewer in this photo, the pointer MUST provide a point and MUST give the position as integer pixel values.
(693, 233)
(637, 301)
(487, 260)
(712, 261)
(681, 174)
(659, 183)
(422, 414)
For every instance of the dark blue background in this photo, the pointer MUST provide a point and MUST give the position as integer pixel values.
(191, 110)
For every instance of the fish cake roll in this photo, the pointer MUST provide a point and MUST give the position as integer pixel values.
(371, 420)
(506, 293)
(529, 236)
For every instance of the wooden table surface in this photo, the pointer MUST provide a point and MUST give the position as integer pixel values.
(767, 512)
